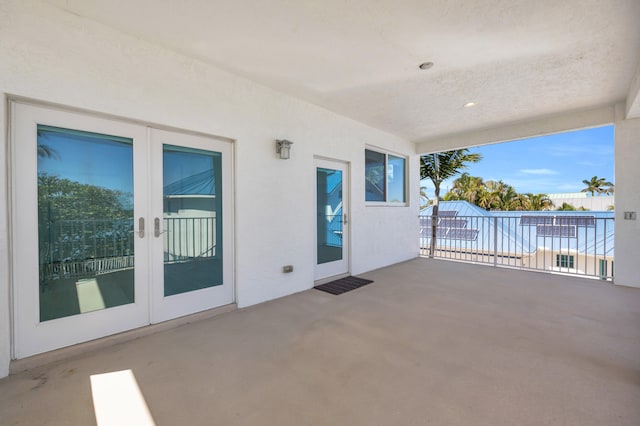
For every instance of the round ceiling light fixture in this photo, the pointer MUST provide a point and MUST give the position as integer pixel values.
(425, 65)
(469, 104)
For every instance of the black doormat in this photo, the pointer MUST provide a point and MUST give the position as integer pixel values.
(343, 285)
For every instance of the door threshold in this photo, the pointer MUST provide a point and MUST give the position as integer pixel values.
(39, 360)
(331, 278)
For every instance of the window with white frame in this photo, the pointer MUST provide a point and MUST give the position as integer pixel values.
(385, 177)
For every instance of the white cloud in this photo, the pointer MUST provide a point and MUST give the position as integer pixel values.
(568, 187)
(538, 171)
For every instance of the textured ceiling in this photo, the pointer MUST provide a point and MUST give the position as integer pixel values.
(518, 59)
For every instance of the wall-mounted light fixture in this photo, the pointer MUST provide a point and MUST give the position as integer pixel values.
(283, 147)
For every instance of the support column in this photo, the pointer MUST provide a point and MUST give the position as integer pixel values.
(627, 180)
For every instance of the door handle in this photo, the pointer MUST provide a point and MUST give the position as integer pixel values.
(156, 228)
(141, 227)
(344, 219)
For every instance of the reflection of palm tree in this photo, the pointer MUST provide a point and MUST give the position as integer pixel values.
(597, 185)
(45, 151)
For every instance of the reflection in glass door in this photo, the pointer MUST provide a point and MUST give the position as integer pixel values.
(329, 218)
(85, 221)
(192, 219)
(331, 215)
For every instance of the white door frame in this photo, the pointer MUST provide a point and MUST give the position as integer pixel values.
(343, 266)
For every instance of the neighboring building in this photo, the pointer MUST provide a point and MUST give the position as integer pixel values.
(582, 199)
(575, 242)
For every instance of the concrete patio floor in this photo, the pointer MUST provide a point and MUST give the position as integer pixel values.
(430, 342)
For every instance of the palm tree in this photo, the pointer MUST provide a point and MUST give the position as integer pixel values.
(466, 188)
(487, 199)
(441, 166)
(425, 201)
(597, 185)
(520, 202)
(539, 202)
(504, 196)
(566, 206)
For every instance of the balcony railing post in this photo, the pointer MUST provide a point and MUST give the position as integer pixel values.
(495, 241)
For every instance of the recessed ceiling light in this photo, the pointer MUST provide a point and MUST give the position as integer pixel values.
(469, 104)
(425, 65)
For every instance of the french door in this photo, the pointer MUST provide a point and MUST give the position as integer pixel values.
(190, 202)
(332, 222)
(114, 226)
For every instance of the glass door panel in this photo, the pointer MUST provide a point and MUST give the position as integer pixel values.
(329, 218)
(85, 221)
(331, 227)
(192, 219)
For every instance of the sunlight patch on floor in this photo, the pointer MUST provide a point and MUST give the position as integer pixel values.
(117, 400)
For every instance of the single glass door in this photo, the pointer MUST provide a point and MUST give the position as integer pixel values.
(331, 219)
(79, 255)
(191, 237)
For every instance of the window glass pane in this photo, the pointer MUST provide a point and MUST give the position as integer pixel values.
(192, 219)
(374, 176)
(85, 221)
(395, 179)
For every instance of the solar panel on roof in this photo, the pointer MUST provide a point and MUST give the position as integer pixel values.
(576, 220)
(426, 221)
(448, 213)
(536, 220)
(441, 232)
(463, 234)
(453, 223)
(555, 231)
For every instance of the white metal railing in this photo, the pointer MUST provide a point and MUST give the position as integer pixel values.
(579, 244)
(84, 248)
(189, 237)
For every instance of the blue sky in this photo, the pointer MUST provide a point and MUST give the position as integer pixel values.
(105, 161)
(547, 164)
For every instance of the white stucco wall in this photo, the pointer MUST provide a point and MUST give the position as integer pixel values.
(53, 56)
(627, 233)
